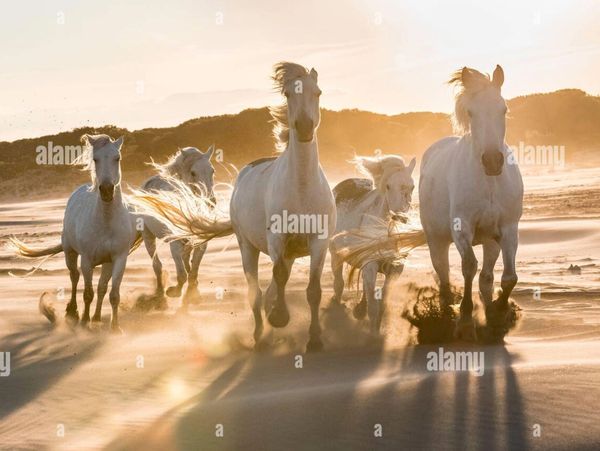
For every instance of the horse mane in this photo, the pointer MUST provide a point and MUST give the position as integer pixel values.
(379, 169)
(175, 162)
(283, 72)
(477, 82)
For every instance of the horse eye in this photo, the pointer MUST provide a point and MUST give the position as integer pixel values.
(470, 113)
(193, 173)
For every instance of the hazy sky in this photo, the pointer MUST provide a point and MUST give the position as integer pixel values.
(143, 63)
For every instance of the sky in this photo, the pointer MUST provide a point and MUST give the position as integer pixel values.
(153, 63)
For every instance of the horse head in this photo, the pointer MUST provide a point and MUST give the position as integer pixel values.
(195, 168)
(481, 110)
(300, 114)
(105, 162)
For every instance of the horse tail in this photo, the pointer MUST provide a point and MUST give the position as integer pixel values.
(136, 243)
(47, 308)
(24, 250)
(192, 216)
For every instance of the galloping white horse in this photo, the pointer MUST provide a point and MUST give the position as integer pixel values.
(387, 193)
(99, 227)
(470, 193)
(191, 166)
(281, 206)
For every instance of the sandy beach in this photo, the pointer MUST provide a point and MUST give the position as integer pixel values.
(192, 381)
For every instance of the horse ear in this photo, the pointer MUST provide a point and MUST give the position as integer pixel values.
(465, 77)
(314, 74)
(210, 151)
(119, 142)
(88, 139)
(411, 165)
(498, 77)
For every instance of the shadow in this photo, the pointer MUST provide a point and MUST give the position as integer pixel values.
(338, 399)
(40, 356)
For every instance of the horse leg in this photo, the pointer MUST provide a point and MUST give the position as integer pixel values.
(369, 276)
(390, 277)
(491, 250)
(192, 293)
(360, 310)
(271, 294)
(250, 263)
(337, 268)
(509, 243)
(118, 269)
(88, 290)
(318, 252)
(465, 328)
(71, 261)
(438, 251)
(150, 243)
(278, 315)
(178, 252)
(102, 287)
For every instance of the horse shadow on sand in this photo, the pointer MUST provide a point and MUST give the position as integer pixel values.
(282, 398)
(41, 355)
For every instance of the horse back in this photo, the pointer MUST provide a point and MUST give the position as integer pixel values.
(157, 183)
(351, 190)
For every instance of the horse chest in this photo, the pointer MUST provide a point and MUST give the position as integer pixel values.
(487, 221)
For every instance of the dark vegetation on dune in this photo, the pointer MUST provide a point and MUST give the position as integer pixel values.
(567, 117)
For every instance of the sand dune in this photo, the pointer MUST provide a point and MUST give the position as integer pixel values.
(173, 378)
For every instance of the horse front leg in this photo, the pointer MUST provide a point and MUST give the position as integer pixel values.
(71, 261)
(118, 269)
(102, 288)
(509, 243)
(88, 289)
(369, 277)
(465, 328)
(279, 315)
(318, 252)
(192, 294)
(337, 268)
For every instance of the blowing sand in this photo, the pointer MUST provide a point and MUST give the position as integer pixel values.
(176, 381)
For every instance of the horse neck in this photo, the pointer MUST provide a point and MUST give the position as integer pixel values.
(303, 160)
(376, 204)
(107, 210)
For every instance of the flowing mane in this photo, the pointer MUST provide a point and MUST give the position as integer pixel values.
(477, 82)
(380, 168)
(176, 161)
(283, 73)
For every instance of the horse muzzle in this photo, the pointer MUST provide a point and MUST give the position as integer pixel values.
(493, 161)
(107, 192)
(305, 129)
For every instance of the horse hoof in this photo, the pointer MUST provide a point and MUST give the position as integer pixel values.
(360, 310)
(279, 317)
(116, 330)
(84, 322)
(72, 318)
(314, 345)
(465, 330)
(161, 304)
(96, 319)
(192, 296)
(174, 291)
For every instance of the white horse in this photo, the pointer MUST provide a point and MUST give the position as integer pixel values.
(470, 193)
(99, 227)
(385, 194)
(281, 206)
(193, 167)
